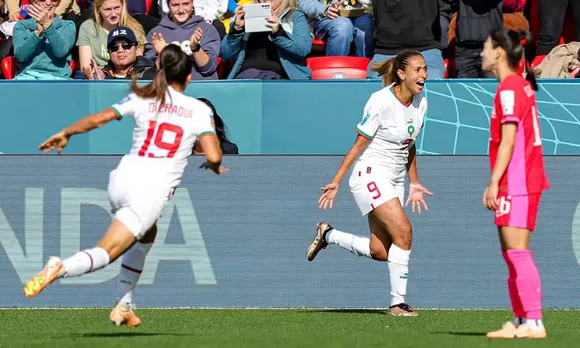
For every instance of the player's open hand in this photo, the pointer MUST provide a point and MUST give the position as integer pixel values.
(490, 196)
(216, 169)
(416, 192)
(57, 141)
(327, 198)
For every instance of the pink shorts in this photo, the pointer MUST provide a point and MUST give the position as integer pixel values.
(517, 211)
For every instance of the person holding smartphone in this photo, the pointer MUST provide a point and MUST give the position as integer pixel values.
(273, 55)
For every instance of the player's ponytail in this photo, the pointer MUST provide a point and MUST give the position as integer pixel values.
(527, 41)
(174, 68)
(388, 69)
(517, 45)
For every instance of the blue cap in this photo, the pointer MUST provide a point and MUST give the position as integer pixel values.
(121, 33)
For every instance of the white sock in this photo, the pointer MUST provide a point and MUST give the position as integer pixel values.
(86, 261)
(357, 245)
(399, 272)
(535, 323)
(131, 268)
(519, 321)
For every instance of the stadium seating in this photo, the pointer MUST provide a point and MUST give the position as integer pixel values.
(568, 28)
(329, 67)
(10, 67)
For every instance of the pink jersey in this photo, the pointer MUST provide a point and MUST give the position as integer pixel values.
(515, 101)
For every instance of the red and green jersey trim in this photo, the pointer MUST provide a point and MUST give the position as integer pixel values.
(363, 134)
(119, 116)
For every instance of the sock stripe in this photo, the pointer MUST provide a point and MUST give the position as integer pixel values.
(131, 269)
(90, 258)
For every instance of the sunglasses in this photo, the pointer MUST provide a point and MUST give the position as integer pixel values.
(126, 46)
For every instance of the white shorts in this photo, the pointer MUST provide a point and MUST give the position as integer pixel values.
(372, 187)
(136, 202)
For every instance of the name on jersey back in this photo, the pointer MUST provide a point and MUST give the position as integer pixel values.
(170, 109)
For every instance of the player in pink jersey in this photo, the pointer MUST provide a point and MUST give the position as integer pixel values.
(518, 177)
(167, 123)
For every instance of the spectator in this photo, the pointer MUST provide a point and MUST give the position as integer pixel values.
(228, 148)
(196, 38)
(408, 24)
(279, 54)
(446, 10)
(138, 10)
(475, 20)
(67, 9)
(122, 45)
(212, 11)
(552, 14)
(340, 32)
(93, 33)
(42, 43)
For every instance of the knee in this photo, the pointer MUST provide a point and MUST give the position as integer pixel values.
(379, 254)
(378, 251)
(404, 238)
(341, 27)
(365, 23)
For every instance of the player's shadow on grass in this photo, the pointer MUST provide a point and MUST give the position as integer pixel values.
(459, 333)
(345, 311)
(122, 334)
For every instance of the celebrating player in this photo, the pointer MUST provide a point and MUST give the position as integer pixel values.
(517, 178)
(392, 119)
(167, 123)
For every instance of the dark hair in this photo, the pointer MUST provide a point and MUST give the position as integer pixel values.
(220, 128)
(517, 45)
(388, 68)
(174, 67)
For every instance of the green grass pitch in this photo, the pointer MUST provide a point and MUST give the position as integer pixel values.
(177, 328)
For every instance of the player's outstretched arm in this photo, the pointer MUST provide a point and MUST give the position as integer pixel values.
(211, 147)
(412, 166)
(330, 190)
(416, 190)
(59, 140)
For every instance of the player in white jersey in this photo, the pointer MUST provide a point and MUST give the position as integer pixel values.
(167, 123)
(392, 119)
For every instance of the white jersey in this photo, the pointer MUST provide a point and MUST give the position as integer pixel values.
(164, 135)
(392, 127)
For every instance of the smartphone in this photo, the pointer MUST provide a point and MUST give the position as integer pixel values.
(255, 18)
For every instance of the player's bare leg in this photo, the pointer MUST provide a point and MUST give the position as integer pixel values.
(115, 242)
(391, 218)
(131, 269)
(524, 285)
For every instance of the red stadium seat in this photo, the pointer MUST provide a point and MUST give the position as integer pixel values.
(9, 67)
(538, 60)
(318, 48)
(328, 68)
(318, 42)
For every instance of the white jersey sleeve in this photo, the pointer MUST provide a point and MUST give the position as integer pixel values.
(206, 124)
(127, 106)
(370, 122)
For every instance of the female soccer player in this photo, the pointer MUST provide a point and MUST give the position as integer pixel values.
(391, 122)
(517, 178)
(167, 123)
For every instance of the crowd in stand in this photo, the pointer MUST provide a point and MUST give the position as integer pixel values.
(116, 39)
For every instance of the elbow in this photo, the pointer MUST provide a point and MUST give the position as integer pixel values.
(304, 49)
(508, 144)
(214, 158)
(226, 52)
(208, 69)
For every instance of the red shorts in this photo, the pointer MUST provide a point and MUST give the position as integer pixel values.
(517, 211)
